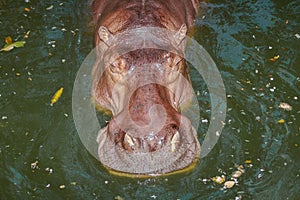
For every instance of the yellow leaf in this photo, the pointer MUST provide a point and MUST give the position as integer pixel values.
(274, 58)
(8, 40)
(218, 179)
(56, 96)
(248, 161)
(281, 121)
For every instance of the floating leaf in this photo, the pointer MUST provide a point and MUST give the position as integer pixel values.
(248, 161)
(236, 174)
(56, 96)
(19, 44)
(8, 40)
(274, 58)
(281, 121)
(241, 168)
(9, 47)
(229, 184)
(285, 106)
(218, 179)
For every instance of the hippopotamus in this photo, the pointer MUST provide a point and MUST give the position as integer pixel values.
(147, 134)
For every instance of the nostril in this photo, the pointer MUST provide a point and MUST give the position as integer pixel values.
(174, 127)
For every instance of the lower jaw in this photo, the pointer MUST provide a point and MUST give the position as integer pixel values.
(187, 164)
(133, 175)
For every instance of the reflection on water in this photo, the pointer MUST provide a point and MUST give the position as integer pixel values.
(41, 153)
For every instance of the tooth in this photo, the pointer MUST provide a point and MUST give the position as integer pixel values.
(129, 140)
(175, 141)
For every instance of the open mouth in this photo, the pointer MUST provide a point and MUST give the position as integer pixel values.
(129, 156)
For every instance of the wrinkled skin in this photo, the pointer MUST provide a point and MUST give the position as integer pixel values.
(144, 89)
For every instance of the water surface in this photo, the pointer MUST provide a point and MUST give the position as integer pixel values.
(42, 156)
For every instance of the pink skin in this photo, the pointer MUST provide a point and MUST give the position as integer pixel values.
(144, 89)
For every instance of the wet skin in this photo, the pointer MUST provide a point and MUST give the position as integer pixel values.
(144, 89)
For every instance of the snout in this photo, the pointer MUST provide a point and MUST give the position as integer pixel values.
(149, 136)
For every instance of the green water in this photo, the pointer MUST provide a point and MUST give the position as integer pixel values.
(241, 36)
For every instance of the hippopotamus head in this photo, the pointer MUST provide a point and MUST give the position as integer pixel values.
(145, 89)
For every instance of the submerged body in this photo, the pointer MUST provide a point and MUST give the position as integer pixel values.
(144, 89)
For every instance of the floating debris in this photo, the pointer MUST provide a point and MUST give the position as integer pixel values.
(236, 174)
(285, 106)
(297, 35)
(49, 8)
(281, 121)
(10, 45)
(248, 161)
(27, 34)
(241, 168)
(274, 59)
(8, 40)
(119, 198)
(229, 184)
(56, 96)
(62, 187)
(204, 120)
(49, 170)
(218, 179)
(34, 165)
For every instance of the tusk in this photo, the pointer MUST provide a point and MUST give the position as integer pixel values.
(174, 142)
(129, 140)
